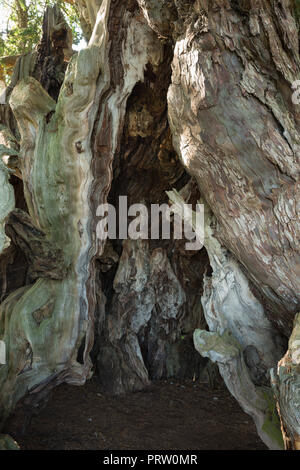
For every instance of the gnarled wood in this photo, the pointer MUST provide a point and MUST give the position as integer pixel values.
(54, 175)
(236, 131)
(45, 260)
(7, 204)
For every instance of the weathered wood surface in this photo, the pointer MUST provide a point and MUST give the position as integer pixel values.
(285, 380)
(7, 203)
(7, 443)
(67, 149)
(241, 340)
(237, 131)
(44, 323)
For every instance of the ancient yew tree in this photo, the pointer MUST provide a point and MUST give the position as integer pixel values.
(171, 100)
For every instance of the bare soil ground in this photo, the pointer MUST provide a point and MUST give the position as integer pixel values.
(169, 415)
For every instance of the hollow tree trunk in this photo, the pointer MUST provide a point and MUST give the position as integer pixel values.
(191, 95)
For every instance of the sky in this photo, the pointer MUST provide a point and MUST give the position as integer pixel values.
(4, 12)
(3, 16)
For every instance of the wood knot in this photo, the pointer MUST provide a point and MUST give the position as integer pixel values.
(79, 147)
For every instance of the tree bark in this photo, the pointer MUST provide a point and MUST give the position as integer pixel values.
(190, 96)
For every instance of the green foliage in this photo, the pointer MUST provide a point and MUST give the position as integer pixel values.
(24, 24)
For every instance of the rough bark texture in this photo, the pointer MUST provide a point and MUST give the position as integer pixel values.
(190, 95)
(53, 310)
(237, 131)
(66, 156)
